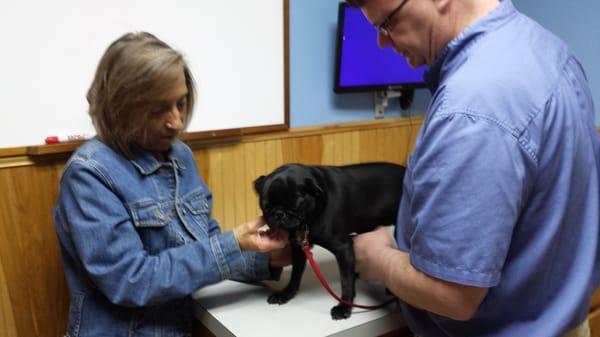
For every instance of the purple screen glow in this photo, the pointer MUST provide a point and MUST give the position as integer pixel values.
(362, 64)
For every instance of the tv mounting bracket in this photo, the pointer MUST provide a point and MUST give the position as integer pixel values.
(381, 101)
(405, 97)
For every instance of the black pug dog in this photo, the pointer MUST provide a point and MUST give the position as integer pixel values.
(332, 202)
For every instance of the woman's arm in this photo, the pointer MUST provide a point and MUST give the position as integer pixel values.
(98, 228)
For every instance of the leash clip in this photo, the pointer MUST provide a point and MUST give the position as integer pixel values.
(302, 237)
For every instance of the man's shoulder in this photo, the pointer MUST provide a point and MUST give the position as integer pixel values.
(507, 79)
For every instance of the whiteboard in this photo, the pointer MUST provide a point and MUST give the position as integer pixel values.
(50, 51)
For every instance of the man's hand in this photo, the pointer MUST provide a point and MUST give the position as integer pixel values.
(249, 237)
(369, 248)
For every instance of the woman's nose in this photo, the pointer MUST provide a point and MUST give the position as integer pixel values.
(174, 120)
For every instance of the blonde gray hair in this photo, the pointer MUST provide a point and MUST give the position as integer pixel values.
(133, 73)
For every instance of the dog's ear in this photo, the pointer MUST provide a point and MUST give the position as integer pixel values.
(320, 196)
(313, 188)
(259, 183)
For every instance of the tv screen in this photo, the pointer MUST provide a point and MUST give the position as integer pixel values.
(361, 65)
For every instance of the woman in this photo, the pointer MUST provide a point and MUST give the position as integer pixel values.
(133, 215)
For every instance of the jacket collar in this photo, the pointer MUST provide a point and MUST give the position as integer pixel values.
(147, 164)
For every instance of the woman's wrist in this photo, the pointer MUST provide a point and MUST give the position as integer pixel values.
(239, 235)
(281, 257)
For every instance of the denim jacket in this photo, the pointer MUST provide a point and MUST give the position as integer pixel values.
(137, 238)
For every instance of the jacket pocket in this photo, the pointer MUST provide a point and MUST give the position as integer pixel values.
(151, 224)
(147, 214)
(196, 204)
(75, 310)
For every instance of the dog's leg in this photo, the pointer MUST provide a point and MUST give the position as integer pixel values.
(344, 254)
(298, 265)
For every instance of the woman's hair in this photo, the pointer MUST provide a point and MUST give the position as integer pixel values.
(135, 71)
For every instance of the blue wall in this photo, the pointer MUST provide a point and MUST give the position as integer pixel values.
(313, 25)
(577, 23)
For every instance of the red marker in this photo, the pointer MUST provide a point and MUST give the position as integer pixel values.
(67, 138)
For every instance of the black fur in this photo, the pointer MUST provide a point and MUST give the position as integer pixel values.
(334, 202)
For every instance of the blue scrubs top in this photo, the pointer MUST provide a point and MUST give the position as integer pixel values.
(502, 188)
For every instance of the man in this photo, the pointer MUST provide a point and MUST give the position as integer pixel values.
(498, 228)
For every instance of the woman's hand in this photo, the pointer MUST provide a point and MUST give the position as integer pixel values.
(249, 237)
(281, 257)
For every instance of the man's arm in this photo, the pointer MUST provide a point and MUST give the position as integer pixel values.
(378, 259)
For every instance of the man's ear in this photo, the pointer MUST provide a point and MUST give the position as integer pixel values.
(259, 183)
(441, 6)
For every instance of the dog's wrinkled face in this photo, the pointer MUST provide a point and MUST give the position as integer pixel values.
(288, 197)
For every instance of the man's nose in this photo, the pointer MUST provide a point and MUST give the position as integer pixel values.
(382, 40)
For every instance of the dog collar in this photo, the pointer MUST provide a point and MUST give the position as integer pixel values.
(302, 236)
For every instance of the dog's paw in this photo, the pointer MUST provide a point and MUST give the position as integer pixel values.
(341, 311)
(280, 297)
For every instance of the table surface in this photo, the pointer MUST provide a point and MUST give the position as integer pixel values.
(232, 308)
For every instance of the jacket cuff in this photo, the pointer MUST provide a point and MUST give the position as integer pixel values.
(262, 270)
(227, 254)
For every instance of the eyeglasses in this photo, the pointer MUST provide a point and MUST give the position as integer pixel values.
(383, 28)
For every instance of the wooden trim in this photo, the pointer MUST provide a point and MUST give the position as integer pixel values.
(24, 156)
(336, 128)
(15, 161)
(13, 151)
(40, 150)
(215, 134)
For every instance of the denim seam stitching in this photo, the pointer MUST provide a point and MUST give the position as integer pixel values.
(220, 258)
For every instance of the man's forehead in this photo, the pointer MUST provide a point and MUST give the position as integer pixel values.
(377, 10)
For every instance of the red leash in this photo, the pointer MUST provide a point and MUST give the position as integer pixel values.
(315, 268)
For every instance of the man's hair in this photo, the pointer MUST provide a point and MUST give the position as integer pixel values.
(356, 3)
(135, 71)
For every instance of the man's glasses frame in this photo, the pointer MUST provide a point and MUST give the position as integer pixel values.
(383, 28)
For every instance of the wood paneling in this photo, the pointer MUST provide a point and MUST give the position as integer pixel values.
(36, 294)
(596, 301)
(33, 293)
(7, 319)
(594, 318)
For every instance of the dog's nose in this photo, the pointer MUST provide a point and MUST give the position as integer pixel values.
(279, 214)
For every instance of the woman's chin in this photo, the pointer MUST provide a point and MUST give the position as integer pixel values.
(160, 146)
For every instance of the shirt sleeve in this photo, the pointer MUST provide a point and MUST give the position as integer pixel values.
(112, 254)
(465, 185)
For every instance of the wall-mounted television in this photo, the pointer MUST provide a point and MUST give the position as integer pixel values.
(361, 65)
